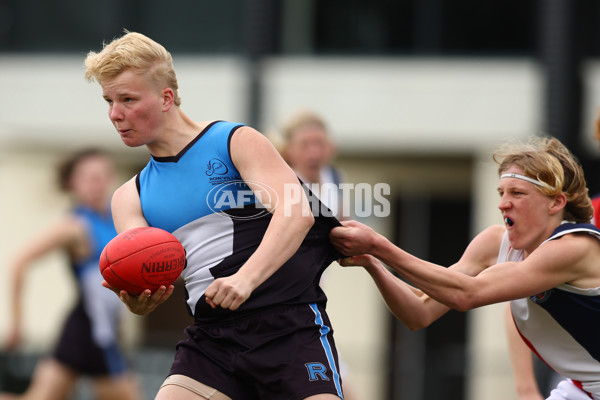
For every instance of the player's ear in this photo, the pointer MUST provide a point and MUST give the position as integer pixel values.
(168, 98)
(558, 203)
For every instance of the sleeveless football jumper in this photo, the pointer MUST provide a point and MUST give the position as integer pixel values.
(562, 325)
(199, 196)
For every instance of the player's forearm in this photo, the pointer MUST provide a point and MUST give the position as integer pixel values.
(282, 239)
(521, 361)
(411, 306)
(446, 286)
(401, 301)
(17, 289)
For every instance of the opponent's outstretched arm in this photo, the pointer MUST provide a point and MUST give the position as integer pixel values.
(409, 304)
(559, 261)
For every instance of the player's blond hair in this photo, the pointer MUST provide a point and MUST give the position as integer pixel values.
(300, 120)
(550, 162)
(133, 51)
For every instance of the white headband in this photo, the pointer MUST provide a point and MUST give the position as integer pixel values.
(526, 178)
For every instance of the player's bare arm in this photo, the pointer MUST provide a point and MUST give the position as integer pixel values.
(584, 273)
(521, 361)
(126, 207)
(65, 234)
(409, 304)
(552, 264)
(260, 165)
(127, 214)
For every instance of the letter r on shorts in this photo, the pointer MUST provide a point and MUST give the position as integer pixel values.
(316, 371)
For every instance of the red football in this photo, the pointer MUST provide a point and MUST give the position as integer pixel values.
(142, 258)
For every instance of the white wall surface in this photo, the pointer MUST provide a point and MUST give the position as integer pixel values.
(49, 102)
(412, 105)
(374, 105)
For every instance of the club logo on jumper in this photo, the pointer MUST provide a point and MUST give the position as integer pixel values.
(242, 202)
(541, 297)
(216, 167)
(316, 371)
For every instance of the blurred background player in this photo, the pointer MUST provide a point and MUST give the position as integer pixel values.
(88, 341)
(307, 147)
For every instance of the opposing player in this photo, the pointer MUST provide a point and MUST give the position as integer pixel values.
(544, 259)
(88, 342)
(252, 278)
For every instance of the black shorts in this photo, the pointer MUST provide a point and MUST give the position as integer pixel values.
(77, 350)
(286, 352)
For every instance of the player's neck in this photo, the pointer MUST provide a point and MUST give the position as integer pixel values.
(177, 132)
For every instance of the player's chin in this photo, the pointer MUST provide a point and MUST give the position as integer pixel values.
(132, 142)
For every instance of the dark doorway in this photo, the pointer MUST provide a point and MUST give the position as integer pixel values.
(430, 363)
